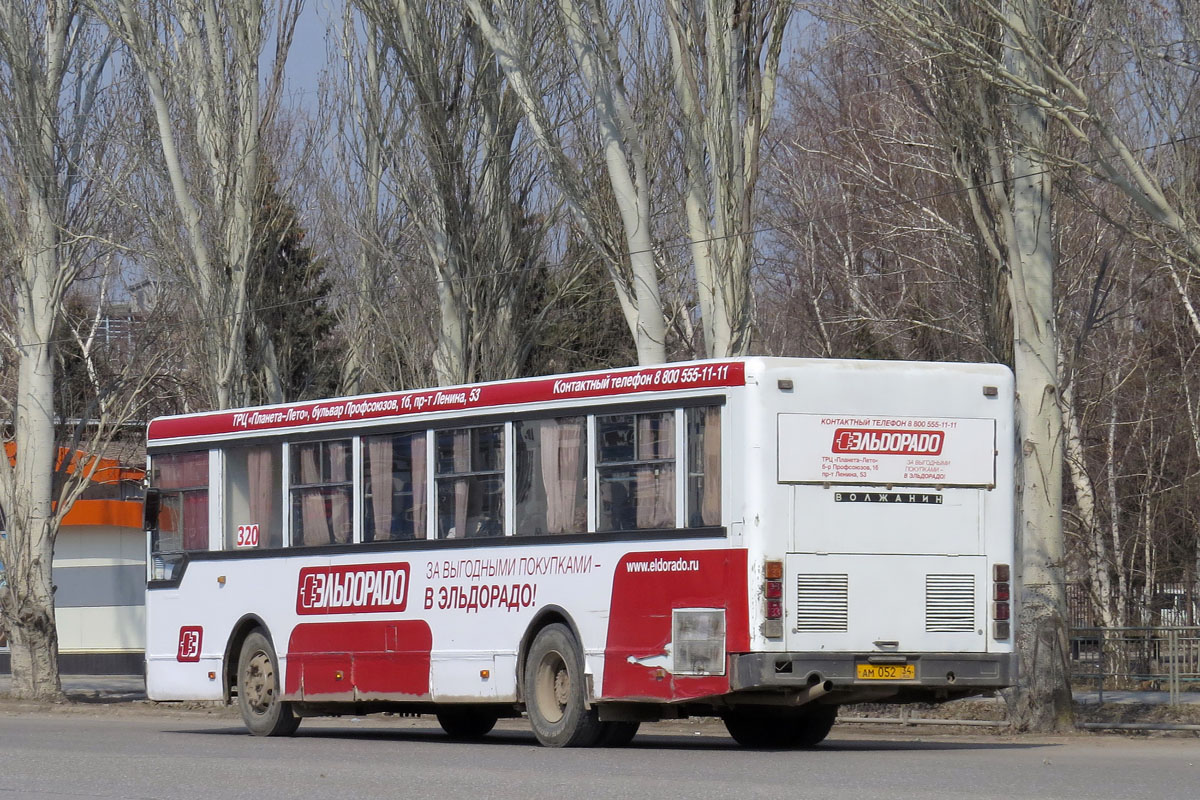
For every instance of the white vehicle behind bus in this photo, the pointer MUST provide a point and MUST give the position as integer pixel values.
(761, 539)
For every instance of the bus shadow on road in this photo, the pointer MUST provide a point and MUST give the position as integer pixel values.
(649, 741)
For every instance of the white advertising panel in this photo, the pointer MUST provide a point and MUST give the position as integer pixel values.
(905, 451)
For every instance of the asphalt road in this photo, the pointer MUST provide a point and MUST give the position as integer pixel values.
(151, 752)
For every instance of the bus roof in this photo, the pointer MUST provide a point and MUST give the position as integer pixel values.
(313, 414)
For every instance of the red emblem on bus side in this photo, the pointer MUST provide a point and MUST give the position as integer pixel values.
(190, 638)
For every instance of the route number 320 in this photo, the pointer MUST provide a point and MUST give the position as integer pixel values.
(247, 536)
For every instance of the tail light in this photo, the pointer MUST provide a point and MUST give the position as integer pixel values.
(1001, 602)
(773, 597)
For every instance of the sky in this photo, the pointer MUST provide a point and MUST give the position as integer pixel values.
(308, 56)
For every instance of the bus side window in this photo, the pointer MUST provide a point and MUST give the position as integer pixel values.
(704, 466)
(393, 489)
(320, 484)
(182, 481)
(635, 470)
(551, 480)
(470, 482)
(253, 487)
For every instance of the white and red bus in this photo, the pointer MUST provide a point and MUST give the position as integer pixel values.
(757, 539)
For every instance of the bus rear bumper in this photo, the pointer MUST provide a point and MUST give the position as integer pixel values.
(959, 672)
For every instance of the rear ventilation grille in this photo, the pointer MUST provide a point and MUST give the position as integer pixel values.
(822, 603)
(950, 603)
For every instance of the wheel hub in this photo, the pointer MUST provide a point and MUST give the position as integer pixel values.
(553, 688)
(258, 683)
(562, 688)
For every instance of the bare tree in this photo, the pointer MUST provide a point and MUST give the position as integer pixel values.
(588, 32)
(57, 159)
(1044, 59)
(726, 63)
(871, 252)
(1031, 260)
(724, 60)
(366, 226)
(199, 66)
(461, 175)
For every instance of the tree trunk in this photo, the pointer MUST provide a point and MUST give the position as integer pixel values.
(1043, 699)
(1099, 564)
(28, 601)
(55, 222)
(450, 358)
(1121, 603)
(29, 608)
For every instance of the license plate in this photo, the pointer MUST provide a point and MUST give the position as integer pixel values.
(887, 672)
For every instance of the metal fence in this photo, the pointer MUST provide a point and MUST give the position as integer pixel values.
(1156, 659)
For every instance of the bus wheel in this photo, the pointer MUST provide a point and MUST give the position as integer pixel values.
(555, 691)
(467, 723)
(751, 729)
(814, 725)
(258, 690)
(618, 734)
(780, 729)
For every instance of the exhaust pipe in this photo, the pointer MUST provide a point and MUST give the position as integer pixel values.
(813, 691)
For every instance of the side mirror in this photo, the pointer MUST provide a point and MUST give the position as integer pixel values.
(150, 508)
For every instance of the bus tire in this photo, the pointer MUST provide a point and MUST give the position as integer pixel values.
(467, 723)
(555, 690)
(263, 712)
(814, 725)
(750, 729)
(618, 734)
(772, 728)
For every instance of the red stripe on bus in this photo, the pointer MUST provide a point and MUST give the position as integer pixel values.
(377, 660)
(706, 375)
(647, 587)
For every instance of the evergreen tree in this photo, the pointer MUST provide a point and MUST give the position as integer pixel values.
(583, 329)
(291, 339)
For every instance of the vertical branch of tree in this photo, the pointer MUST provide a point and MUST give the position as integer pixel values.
(199, 64)
(467, 186)
(363, 118)
(726, 58)
(588, 32)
